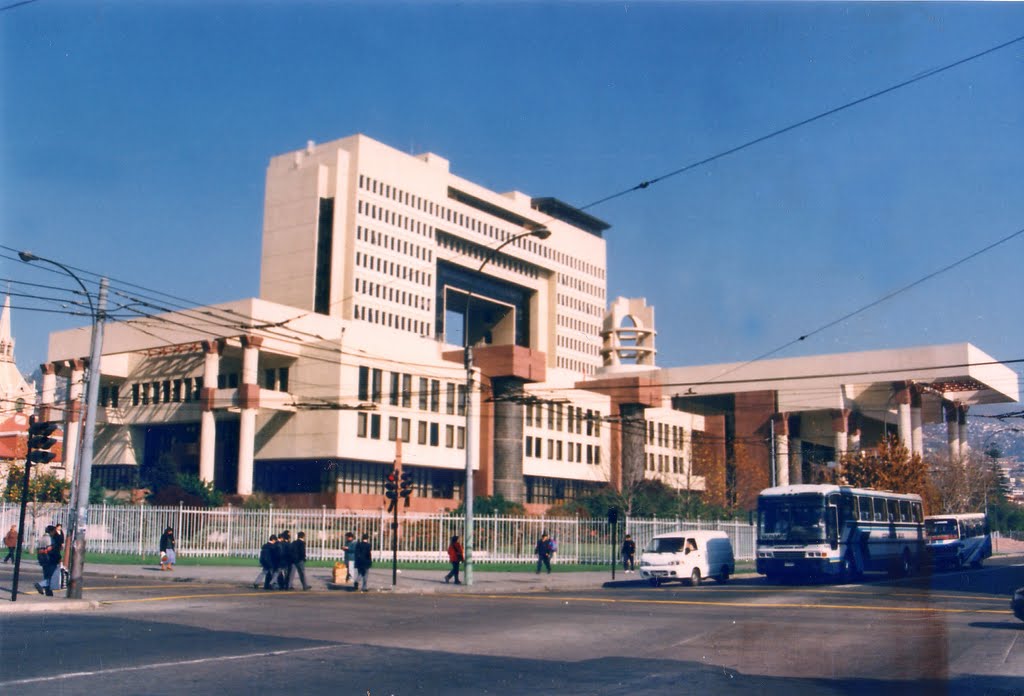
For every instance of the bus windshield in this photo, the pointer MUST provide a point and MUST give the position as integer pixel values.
(797, 519)
(941, 529)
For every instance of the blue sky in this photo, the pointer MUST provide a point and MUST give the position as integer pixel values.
(134, 139)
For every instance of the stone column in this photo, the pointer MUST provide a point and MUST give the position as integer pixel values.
(902, 397)
(781, 449)
(73, 416)
(853, 439)
(48, 393)
(965, 448)
(207, 422)
(796, 451)
(840, 434)
(952, 430)
(916, 432)
(508, 439)
(634, 439)
(249, 400)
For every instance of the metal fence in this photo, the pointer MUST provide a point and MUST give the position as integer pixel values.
(229, 531)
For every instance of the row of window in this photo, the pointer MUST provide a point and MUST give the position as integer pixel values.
(470, 250)
(575, 365)
(368, 425)
(665, 435)
(574, 418)
(391, 320)
(368, 478)
(584, 327)
(395, 270)
(400, 391)
(592, 310)
(577, 345)
(665, 464)
(391, 294)
(559, 451)
(392, 218)
(541, 489)
(186, 389)
(387, 241)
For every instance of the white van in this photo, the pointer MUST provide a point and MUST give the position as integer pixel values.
(688, 557)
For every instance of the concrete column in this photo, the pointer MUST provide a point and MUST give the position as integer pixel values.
(952, 430)
(916, 432)
(207, 423)
(249, 400)
(508, 439)
(796, 451)
(73, 416)
(853, 434)
(903, 411)
(634, 439)
(781, 449)
(48, 393)
(840, 434)
(965, 448)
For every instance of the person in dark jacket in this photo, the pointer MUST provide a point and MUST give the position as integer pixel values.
(44, 555)
(299, 560)
(167, 554)
(363, 560)
(629, 554)
(268, 561)
(11, 542)
(58, 581)
(285, 560)
(455, 557)
(543, 551)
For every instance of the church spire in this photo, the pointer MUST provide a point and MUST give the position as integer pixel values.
(6, 340)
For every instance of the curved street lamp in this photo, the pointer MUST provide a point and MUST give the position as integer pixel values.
(83, 473)
(542, 233)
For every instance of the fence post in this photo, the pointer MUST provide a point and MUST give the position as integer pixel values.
(227, 546)
(142, 520)
(323, 532)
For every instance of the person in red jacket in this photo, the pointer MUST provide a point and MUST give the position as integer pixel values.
(455, 556)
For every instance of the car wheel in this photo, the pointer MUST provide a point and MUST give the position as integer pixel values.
(695, 577)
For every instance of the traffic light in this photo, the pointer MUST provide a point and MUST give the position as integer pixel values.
(613, 515)
(40, 442)
(406, 486)
(391, 488)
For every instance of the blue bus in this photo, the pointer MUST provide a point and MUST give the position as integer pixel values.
(838, 531)
(958, 540)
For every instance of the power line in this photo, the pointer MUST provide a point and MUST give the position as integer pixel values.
(824, 114)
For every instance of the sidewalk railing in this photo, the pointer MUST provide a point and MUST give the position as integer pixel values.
(231, 531)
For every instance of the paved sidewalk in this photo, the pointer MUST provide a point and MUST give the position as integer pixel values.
(408, 581)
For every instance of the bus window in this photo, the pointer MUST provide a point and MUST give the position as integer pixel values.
(894, 512)
(904, 511)
(879, 506)
(847, 509)
(864, 503)
(917, 512)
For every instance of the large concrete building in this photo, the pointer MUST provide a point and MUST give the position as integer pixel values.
(377, 268)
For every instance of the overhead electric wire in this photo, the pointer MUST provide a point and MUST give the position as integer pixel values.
(824, 114)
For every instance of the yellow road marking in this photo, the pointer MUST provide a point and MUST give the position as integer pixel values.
(155, 587)
(745, 605)
(857, 593)
(264, 593)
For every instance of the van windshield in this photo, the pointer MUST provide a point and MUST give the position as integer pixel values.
(667, 545)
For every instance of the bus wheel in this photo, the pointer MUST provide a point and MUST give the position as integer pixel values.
(695, 577)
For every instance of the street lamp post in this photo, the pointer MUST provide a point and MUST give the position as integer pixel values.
(541, 233)
(83, 474)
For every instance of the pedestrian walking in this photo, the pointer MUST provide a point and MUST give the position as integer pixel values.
(285, 560)
(11, 542)
(44, 556)
(543, 551)
(299, 560)
(268, 562)
(553, 543)
(168, 556)
(363, 561)
(629, 554)
(57, 582)
(350, 557)
(455, 557)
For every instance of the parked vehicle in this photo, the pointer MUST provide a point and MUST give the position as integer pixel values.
(838, 531)
(688, 556)
(957, 540)
(1017, 603)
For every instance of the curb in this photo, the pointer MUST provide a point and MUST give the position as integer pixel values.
(37, 607)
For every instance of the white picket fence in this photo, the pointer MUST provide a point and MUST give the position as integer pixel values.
(229, 531)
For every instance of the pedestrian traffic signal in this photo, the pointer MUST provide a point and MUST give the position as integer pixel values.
(406, 486)
(40, 442)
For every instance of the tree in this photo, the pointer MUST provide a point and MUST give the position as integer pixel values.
(42, 487)
(890, 467)
(493, 505)
(964, 485)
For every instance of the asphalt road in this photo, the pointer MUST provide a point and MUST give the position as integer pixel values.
(948, 633)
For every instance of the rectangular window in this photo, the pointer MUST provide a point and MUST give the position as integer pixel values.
(324, 245)
(462, 400)
(375, 426)
(282, 379)
(176, 391)
(364, 383)
(529, 414)
(361, 425)
(449, 398)
(460, 436)
(449, 436)
(529, 446)
(375, 385)
(537, 445)
(434, 434)
(270, 379)
(597, 454)
(558, 450)
(199, 388)
(424, 394)
(406, 391)
(435, 395)
(551, 449)
(551, 416)
(394, 391)
(421, 432)
(188, 389)
(405, 429)
(392, 428)
(570, 453)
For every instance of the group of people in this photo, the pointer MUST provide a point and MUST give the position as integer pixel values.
(50, 555)
(545, 550)
(281, 559)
